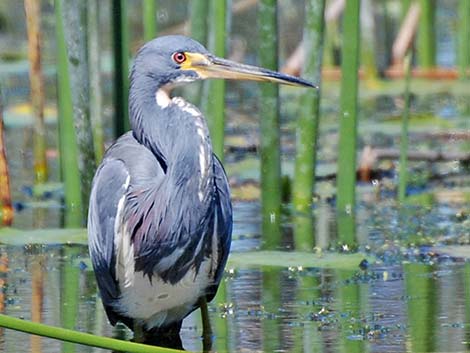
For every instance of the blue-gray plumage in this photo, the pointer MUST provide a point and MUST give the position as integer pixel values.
(160, 217)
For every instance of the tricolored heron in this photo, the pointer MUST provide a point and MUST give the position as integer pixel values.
(160, 216)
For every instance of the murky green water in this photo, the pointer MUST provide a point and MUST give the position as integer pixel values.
(408, 297)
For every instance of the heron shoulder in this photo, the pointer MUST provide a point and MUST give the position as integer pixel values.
(141, 163)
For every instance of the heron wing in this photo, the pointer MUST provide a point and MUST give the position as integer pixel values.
(109, 188)
(223, 224)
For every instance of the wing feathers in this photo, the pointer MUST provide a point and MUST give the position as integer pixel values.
(109, 187)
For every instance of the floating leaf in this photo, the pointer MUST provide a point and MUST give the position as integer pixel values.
(304, 259)
(11, 236)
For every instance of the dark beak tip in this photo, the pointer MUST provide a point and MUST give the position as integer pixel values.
(309, 84)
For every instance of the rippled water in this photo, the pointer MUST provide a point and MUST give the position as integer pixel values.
(408, 297)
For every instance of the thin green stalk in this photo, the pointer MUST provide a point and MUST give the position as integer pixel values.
(149, 8)
(270, 146)
(304, 231)
(214, 97)
(96, 97)
(271, 303)
(221, 322)
(421, 307)
(463, 36)
(349, 302)
(74, 14)
(346, 224)
(207, 332)
(403, 171)
(121, 66)
(33, 20)
(346, 180)
(69, 293)
(307, 337)
(199, 27)
(427, 34)
(307, 122)
(67, 138)
(79, 337)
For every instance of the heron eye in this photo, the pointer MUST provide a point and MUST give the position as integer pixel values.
(179, 58)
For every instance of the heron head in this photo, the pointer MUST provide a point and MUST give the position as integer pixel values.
(176, 59)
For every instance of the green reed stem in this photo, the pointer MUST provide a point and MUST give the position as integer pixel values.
(69, 293)
(271, 302)
(74, 14)
(346, 224)
(307, 122)
(349, 301)
(149, 8)
(79, 337)
(270, 146)
(207, 332)
(463, 36)
(427, 34)
(403, 166)
(67, 138)
(199, 27)
(121, 66)
(346, 180)
(221, 322)
(199, 24)
(214, 99)
(304, 231)
(307, 337)
(94, 67)
(421, 306)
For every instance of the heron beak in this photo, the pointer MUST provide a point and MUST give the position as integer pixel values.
(208, 66)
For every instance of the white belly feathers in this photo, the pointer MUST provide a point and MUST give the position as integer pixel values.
(158, 302)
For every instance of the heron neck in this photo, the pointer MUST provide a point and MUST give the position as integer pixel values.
(176, 132)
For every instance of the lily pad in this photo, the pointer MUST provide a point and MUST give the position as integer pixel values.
(11, 236)
(296, 259)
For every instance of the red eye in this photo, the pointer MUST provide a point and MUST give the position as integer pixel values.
(179, 57)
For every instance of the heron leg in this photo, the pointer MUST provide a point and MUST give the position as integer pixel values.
(206, 325)
(167, 336)
(139, 336)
